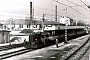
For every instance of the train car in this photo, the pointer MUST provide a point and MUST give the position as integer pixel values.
(48, 37)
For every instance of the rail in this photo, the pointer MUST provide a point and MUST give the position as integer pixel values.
(14, 53)
(75, 52)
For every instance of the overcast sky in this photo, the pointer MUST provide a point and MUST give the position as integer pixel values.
(20, 9)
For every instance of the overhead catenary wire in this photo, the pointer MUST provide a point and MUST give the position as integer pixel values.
(77, 5)
(70, 7)
(84, 3)
(80, 5)
(38, 7)
(42, 8)
(87, 3)
(28, 6)
(21, 13)
(14, 12)
(48, 9)
(23, 5)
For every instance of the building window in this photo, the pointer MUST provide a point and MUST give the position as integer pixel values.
(36, 26)
(40, 26)
(21, 26)
(28, 25)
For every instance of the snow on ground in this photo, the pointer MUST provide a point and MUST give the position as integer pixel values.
(14, 32)
(22, 38)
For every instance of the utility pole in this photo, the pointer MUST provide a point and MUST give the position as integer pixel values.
(66, 25)
(76, 18)
(86, 26)
(76, 13)
(43, 22)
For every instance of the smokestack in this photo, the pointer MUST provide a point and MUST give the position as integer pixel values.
(56, 13)
(31, 12)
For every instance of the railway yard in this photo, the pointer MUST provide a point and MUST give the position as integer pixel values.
(42, 46)
(75, 49)
(45, 30)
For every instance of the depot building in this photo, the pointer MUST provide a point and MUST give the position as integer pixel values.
(4, 36)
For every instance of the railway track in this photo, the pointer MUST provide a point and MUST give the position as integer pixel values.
(13, 53)
(8, 47)
(2, 48)
(76, 55)
(18, 52)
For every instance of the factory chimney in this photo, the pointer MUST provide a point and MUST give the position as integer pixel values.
(56, 13)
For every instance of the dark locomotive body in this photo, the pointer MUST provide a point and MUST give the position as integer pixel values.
(47, 38)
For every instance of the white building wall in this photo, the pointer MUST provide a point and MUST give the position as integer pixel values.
(16, 26)
(65, 20)
(24, 26)
(50, 28)
(62, 20)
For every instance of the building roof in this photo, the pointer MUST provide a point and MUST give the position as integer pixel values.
(35, 22)
(14, 21)
(5, 31)
(18, 21)
(27, 31)
(49, 23)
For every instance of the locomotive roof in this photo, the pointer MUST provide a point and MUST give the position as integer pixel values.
(27, 31)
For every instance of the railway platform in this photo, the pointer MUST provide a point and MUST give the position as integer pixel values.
(5, 44)
(52, 52)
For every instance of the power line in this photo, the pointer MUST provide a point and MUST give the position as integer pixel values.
(17, 12)
(39, 8)
(48, 9)
(44, 8)
(70, 7)
(3, 16)
(28, 6)
(14, 12)
(23, 5)
(80, 5)
(16, 3)
(83, 3)
(87, 3)
(77, 4)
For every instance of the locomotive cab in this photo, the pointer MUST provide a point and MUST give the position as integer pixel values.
(38, 40)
